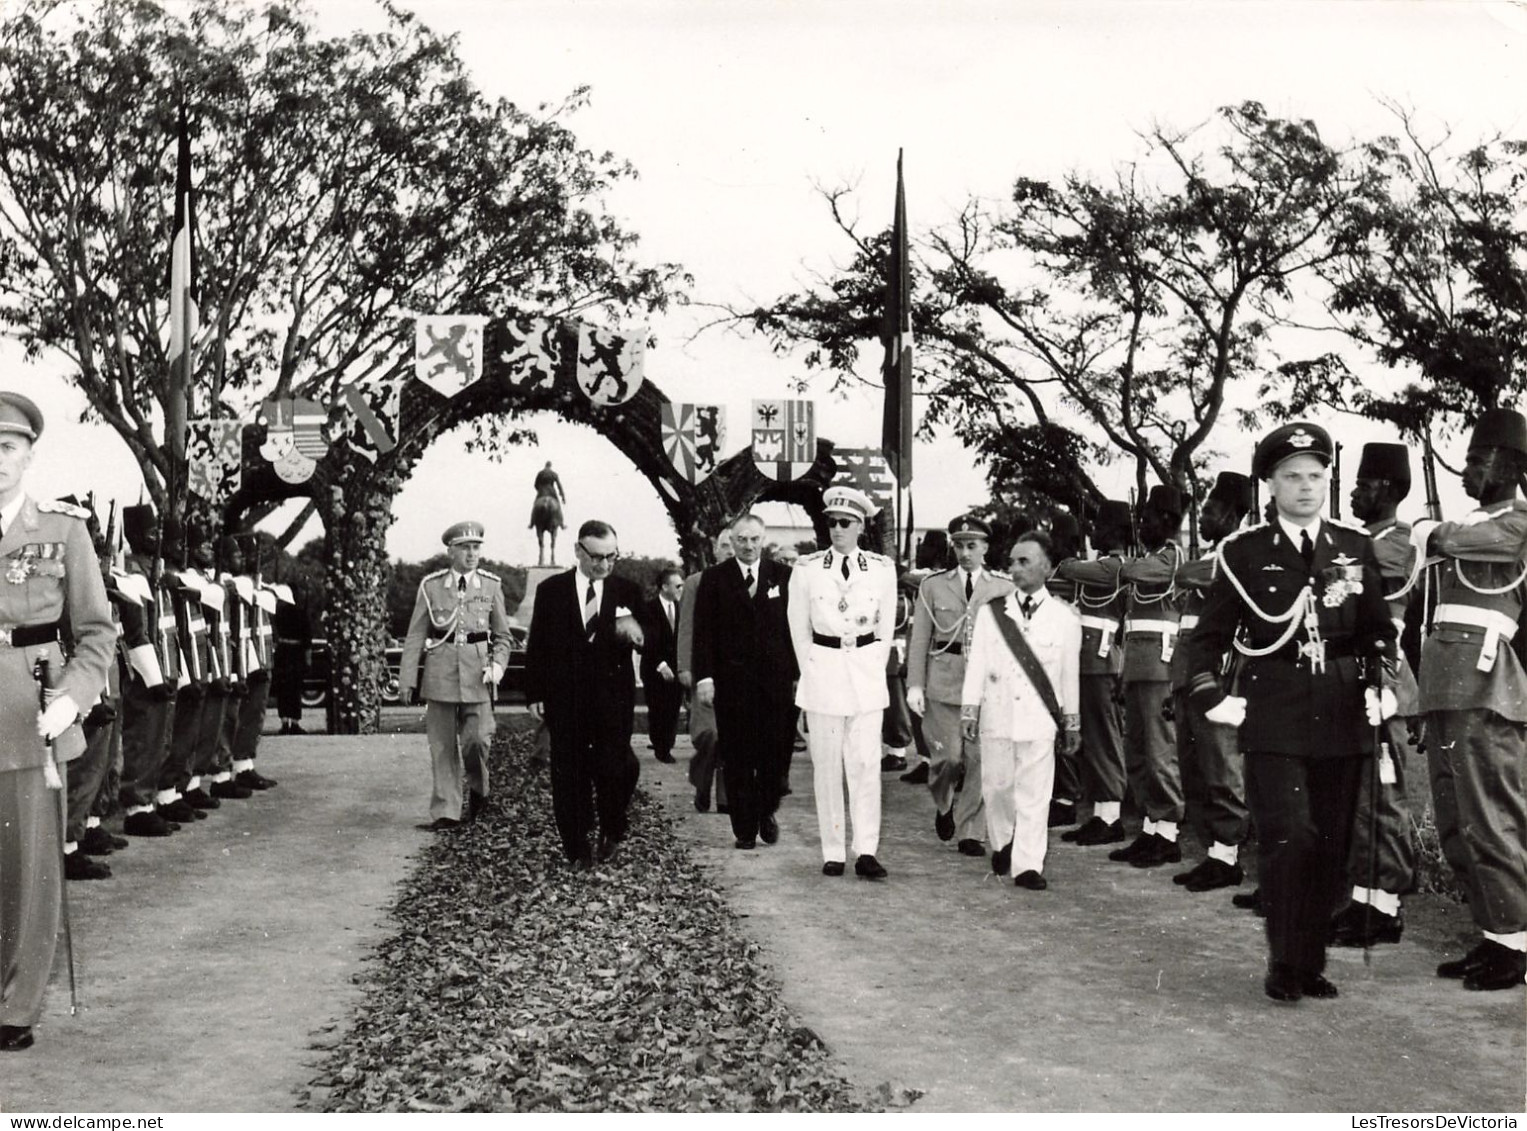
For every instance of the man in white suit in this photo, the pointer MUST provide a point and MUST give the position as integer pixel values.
(1021, 697)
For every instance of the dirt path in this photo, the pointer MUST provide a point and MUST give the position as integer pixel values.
(1112, 991)
(213, 959)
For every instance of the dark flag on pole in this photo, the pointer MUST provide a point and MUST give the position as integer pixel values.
(184, 317)
(896, 434)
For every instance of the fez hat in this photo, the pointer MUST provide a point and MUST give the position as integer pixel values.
(462, 533)
(1386, 461)
(1167, 500)
(1298, 439)
(1498, 428)
(847, 500)
(138, 524)
(1234, 490)
(1114, 513)
(969, 526)
(19, 415)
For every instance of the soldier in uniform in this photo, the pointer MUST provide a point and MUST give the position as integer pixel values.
(257, 605)
(1474, 694)
(1301, 601)
(941, 626)
(842, 613)
(1383, 859)
(50, 588)
(148, 686)
(233, 773)
(1207, 752)
(1100, 599)
(190, 698)
(1151, 624)
(458, 640)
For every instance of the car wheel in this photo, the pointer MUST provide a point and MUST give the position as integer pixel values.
(392, 691)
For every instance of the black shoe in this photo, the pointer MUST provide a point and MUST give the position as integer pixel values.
(78, 866)
(1002, 859)
(1062, 813)
(440, 825)
(1133, 849)
(1210, 875)
(1463, 967)
(832, 868)
(971, 848)
(1159, 851)
(664, 756)
(917, 775)
(178, 810)
(147, 823)
(1284, 983)
(746, 842)
(1031, 880)
(198, 799)
(607, 847)
(296, 728)
(14, 1038)
(868, 868)
(943, 824)
(1319, 987)
(98, 842)
(892, 764)
(250, 779)
(232, 790)
(1096, 831)
(1363, 925)
(477, 804)
(768, 829)
(724, 810)
(1248, 900)
(1500, 968)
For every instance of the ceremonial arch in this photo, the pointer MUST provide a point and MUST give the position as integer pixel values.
(354, 497)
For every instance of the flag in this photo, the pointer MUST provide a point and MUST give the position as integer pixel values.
(693, 435)
(896, 432)
(865, 469)
(371, 429)
(448, 351)
(534, 353)
(294, 440)
(214, 458)
(185, 319)
(784, 438)
(610, 365)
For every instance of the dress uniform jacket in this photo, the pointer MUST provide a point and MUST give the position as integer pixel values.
(823, 603)
(941, 631)
(1100, 599)
(454, 635)
(1151, 615)
(1011, 707)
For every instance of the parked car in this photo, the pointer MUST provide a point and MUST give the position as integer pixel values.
(315, 689)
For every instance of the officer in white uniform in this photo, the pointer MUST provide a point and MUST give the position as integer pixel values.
(842, 616)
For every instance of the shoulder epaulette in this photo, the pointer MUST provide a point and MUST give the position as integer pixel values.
(432, 576)
(1347, 524)
(489, 576)
(58, 506)
(874, 557)
(1241, 533)
(814, 556)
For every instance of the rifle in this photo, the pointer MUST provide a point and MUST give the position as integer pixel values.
(1429, 475)
(1335, 495)
(1134, 526)
(1193, 516)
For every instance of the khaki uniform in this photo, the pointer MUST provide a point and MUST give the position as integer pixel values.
(1151, 625)
(459, 627)
(1100, 599)
(48, 577)
(842, 615)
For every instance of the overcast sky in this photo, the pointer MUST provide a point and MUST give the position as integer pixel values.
(734, 113)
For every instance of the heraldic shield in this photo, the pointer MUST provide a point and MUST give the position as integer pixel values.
(784, 438)
(693, 436)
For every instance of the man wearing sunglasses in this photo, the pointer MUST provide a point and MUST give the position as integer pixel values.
(580, 679)
(842, 610)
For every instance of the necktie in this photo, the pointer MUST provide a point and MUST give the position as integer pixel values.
(668, 612)
(752, 585)
(590, 606)
(1028, 607)
(1306, 548)
(845, 569)
(461, 585)
(970, 587)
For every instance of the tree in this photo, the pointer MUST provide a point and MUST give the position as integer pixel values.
(1092, 319)
(1434, 281)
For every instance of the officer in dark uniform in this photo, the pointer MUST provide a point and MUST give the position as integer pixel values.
(1301, 602)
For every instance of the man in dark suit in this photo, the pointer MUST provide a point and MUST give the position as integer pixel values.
(660, 662)
(744, 663)
(1301, 602)
(579, 678)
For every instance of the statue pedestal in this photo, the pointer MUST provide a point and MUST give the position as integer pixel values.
(534, 575)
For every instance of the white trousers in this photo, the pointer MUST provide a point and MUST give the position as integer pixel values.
(1016, 780)
(846, 746)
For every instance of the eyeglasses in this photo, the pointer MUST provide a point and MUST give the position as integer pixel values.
(841, 522)
(612, 557)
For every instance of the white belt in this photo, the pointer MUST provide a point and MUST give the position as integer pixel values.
(1497, 625)
(1189, 622)
(1107, 626)
(1167, 628)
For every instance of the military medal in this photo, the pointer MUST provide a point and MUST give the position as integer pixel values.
(20, 568)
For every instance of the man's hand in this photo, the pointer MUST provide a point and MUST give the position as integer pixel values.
(705, 692)
(970, 723)
(665, 671)
(1229, 711)
(917, 703)
(57, 718)
(1071, 740)
(629, 630)
(1380, 705)
(686, 681)
(537, 711)
(492, 674)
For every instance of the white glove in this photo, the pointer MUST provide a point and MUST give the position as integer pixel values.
(1381, 705)
(705, 692)
(629, 630)
(58, 717)
(665, 671)
(917, 703)
(492, 674)
(1230, 711)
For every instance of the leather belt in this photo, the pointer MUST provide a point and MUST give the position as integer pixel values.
(26, 635)
(462, 638)
(953, 648)
(843, 641)
(1497, 626)
(1293, 654)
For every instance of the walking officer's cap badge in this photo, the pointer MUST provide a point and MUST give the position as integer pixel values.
(18, 415)
(838, 499)
(969, 526)
(1495, 428)
(1298, 439)
(463, 533)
